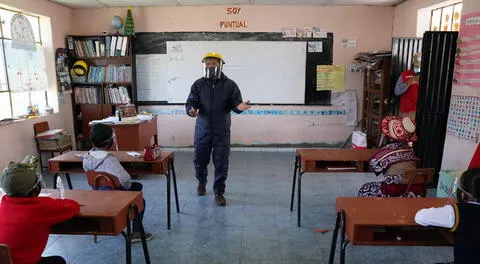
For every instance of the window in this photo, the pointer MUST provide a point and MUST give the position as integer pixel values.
(22, 70)
(446, 18)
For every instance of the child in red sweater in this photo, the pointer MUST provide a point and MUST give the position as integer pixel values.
(25, 218)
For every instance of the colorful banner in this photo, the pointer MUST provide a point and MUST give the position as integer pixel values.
(467, 68)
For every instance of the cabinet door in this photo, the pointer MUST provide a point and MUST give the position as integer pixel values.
(90, 112)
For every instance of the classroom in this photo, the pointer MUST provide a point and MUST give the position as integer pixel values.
(239, 131)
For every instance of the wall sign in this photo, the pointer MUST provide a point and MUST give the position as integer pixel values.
(233, 11)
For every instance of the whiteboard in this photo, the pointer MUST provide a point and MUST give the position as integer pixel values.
(267, 72)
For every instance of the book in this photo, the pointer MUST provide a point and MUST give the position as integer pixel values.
(118, 48)
(97, 48)
(124, 46)
(107, 46)
(113, 45)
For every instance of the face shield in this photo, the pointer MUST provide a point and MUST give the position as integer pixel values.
(212, 68)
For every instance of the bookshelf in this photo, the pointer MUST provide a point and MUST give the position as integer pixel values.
(109, 82)
(375, 98)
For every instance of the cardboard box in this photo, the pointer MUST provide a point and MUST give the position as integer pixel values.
(446, 180)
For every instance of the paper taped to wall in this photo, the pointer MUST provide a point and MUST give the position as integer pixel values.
(152, 77)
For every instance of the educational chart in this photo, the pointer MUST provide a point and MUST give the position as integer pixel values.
(467, 62)
(464, 117)
(331, 77)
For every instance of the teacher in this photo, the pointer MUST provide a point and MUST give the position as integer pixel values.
(211, 99)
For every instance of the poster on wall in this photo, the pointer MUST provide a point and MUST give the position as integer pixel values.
(331, 77)
(467, 62)
(464, 117)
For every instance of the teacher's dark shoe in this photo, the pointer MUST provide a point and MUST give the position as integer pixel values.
(201, 190)
(220, 200)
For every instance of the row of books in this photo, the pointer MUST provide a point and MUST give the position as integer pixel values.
(116, 95)
(112, 95)
(111, 73)
(108, 46)
(86, 95)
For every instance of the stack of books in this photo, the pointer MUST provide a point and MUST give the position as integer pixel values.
(116, 95)
(108, 46)
(109, 74)
(86, 95)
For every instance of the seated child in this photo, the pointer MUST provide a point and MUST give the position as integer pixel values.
(462, 218)
(393, 160)
(25, 218)
(98, 159)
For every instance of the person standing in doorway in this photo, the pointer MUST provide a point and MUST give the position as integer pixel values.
(211, 100)
(407, 88)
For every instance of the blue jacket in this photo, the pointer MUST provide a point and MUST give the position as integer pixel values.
(214, 102)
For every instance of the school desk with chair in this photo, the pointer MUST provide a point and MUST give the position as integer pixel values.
(94, 219)
(71, 162)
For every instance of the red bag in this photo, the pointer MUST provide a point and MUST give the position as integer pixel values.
(151, 152)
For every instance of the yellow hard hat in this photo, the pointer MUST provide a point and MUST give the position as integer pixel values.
(213, 55)
(80, 68)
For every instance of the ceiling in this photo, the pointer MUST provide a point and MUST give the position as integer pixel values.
(124, 3)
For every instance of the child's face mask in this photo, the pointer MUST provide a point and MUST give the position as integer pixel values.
(416, 69)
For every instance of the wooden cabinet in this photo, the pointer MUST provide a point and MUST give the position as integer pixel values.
(375, 99)
(91, 112)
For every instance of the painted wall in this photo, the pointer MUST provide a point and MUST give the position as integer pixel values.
(17, 139)
(412, 17)
(371, 26)
(458, 152)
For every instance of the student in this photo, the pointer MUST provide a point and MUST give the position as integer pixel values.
(393, 160)
(25, 218)
(462, 218)
(98, 159)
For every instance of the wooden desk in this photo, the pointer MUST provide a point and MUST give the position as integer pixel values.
(136, 135)
(69, 163)
(326, 161)
(385, 222)
(105, 213)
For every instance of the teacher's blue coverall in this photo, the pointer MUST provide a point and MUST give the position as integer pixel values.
(214, 101)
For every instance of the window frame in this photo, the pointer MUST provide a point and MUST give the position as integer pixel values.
(442, 8)
(2, 39)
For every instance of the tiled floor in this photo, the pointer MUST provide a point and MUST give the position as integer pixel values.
(255, 227)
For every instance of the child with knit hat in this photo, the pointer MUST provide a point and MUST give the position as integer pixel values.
(25, 218)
